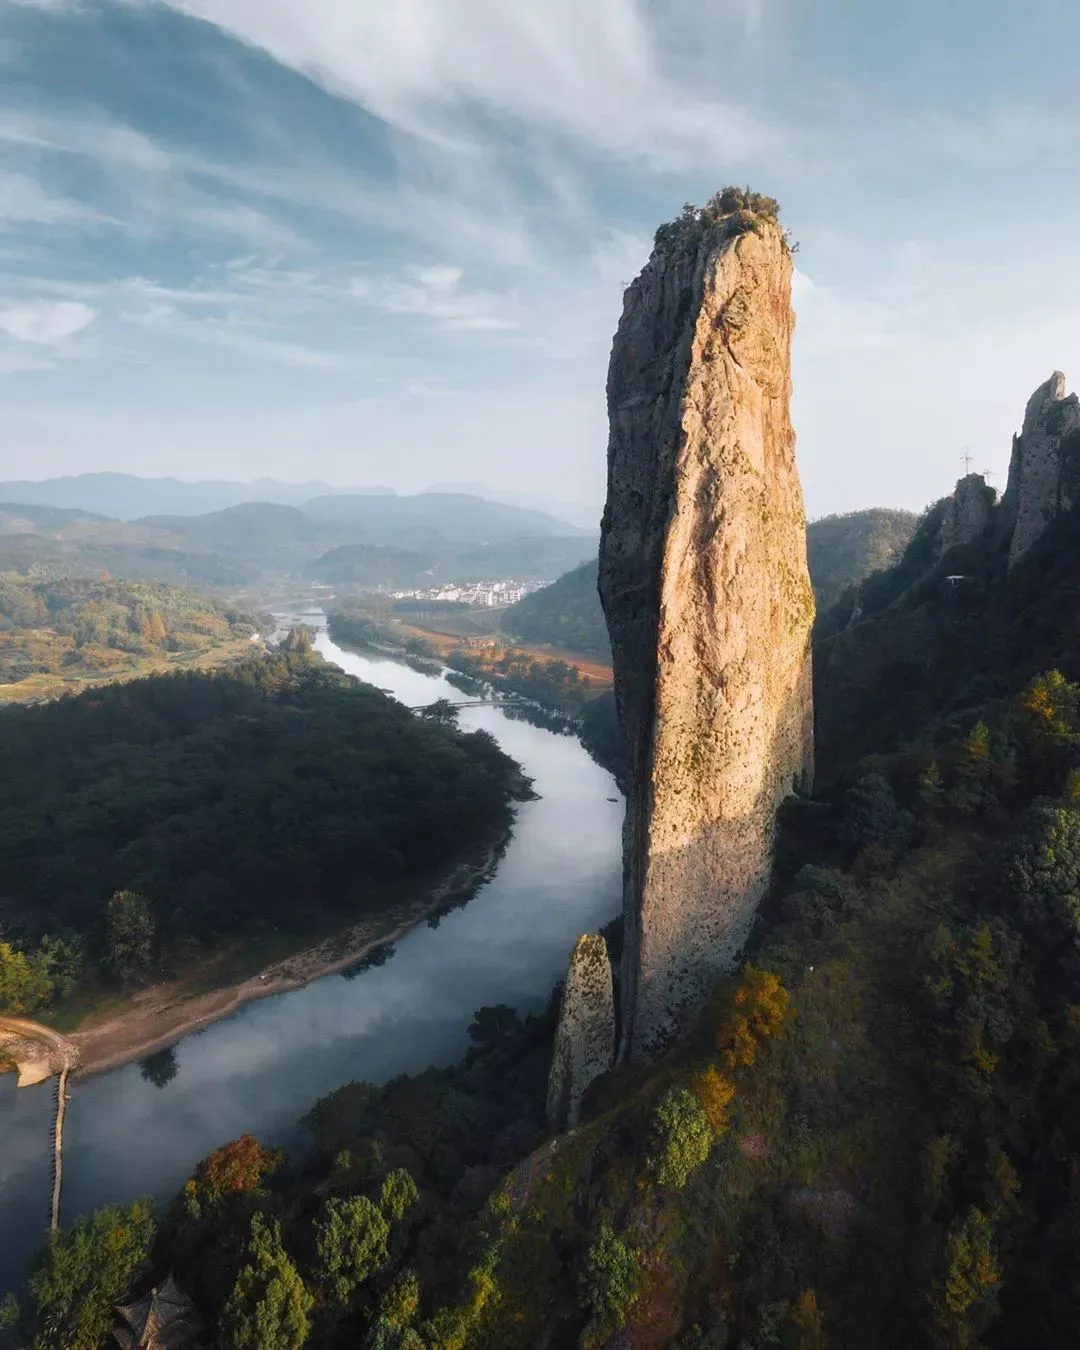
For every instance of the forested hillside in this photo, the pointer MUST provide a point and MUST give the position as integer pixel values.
(869, 1140)
(841, 551)
(566, 614)
(145, 822)
(57, 633)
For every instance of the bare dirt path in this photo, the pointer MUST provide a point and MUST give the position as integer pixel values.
(36, 1050)
(165, 1013)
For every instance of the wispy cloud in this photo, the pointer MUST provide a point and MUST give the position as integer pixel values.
(24, 201)
(46, 321)
(436, 292)
(592, 72)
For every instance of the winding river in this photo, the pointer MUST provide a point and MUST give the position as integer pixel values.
(261, 1069)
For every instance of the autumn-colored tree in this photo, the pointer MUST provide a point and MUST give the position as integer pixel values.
(240, 1165)
(1052, 703)
(760, 1007)
(714, 1093)
(806, 1317)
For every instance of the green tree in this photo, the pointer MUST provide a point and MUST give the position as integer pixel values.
(269, 1307)
(612, 1281)
(24, 986)
(441, 711)
(401, 1302)
(84, 1271)
(492, 1025)
(398, 1194)
(682, 1138)
(350, 1239)
(129, 936)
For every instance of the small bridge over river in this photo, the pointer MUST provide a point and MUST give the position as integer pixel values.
(39, 1052)
(472, 703)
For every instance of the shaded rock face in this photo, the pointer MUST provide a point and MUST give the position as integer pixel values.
(1044, 472)
(705, 589)
(585, 1037)
(967, 513)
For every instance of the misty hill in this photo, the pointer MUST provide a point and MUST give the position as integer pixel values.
(452, 516)
(446, 536)
(263, 533)
(127, 497)
(582, 514)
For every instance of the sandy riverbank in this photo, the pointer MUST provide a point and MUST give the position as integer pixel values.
(158, 1017)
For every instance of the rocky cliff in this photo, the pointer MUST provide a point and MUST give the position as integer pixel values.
(982, 586)
(705, 589)
(1044, 472)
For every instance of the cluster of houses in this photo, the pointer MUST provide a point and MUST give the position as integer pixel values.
(488, 593)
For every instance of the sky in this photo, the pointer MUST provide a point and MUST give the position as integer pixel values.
(386, 243)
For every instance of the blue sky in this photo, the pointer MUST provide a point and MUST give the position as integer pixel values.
(386, 243)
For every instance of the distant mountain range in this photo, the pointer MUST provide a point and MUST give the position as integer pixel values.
(355, 539)
(584, 514)
(126, 496)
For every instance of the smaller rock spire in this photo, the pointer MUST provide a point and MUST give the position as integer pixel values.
(585, 1038)
(967, 513)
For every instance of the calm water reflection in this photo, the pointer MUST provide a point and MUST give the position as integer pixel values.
(260, 1070)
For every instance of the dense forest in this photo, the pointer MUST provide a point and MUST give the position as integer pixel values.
(80, 628)
(144, 823)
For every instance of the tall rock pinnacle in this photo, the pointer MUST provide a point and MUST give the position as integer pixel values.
(704, 584)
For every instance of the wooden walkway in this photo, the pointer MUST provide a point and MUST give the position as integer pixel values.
(58, 1148)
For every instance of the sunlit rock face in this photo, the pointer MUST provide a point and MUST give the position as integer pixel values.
(1044, 472)
(704, 584)
(585, 1038)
